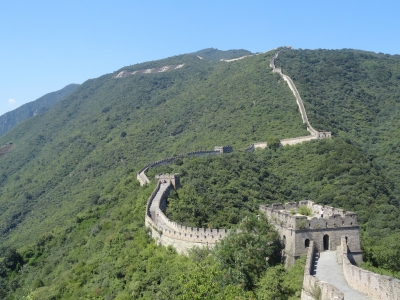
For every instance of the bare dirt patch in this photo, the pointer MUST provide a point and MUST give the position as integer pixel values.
(124, 73)
(4, 150)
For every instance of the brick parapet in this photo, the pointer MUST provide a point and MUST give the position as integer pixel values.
(175, 231)
(282, 216)
(150, 200)
(297, 140)
(373, 285)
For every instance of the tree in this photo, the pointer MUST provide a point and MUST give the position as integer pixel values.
(273, 143)
(244, 255)
(279, 283)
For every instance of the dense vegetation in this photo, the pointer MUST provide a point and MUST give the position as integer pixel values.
(71, 210)
(218, 192)
(11, 119)
(78, 155)
(354, 94)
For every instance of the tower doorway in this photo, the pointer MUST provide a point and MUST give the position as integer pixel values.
(326, 242)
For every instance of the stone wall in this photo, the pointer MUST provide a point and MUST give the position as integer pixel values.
(301, 139)
(314, 133)
(223, 149)
(250, 148)
(333, 217)
(171, 233)
(297, 231)
(141, 174)
(374, 285)
(313, 288)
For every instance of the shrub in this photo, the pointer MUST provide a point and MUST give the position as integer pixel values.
(305, 210)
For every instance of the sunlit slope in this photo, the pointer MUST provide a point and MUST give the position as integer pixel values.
(11, 119)
(354, 94)
(108, 127)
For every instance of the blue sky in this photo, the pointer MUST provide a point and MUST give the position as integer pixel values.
(46, 45)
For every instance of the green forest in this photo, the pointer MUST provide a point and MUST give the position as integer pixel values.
(39, 106)
(72, 211)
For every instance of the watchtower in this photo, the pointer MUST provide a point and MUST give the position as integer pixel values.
(296, 230)
(223, 149)
(173, 178)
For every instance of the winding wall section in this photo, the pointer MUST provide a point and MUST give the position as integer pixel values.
(314, 133)
(167, 232)
(183, 238)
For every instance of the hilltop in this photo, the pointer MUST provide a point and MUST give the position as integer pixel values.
(11, 119)
(70, 203)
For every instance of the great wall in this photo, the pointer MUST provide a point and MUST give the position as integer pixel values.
(336, 232)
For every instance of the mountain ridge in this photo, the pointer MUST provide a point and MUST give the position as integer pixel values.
(12, 118)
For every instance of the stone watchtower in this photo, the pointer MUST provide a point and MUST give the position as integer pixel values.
(296, 230)
(223, 149)
(173, 178)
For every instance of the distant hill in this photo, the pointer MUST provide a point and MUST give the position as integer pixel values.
(39, 106)
(215, 54)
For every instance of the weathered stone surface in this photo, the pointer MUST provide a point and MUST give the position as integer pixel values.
(374, 285)
(297, 231)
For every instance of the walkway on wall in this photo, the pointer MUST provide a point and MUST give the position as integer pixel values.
(330, 271)
(293, 88)
(155, 206)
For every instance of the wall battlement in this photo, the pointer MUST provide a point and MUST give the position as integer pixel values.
(310, 282)
(286, 216)
(223, 149)
(297, 231)
(168, 232)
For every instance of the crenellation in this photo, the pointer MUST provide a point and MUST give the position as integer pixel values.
(290, 205)
(298, 230)
(223, 149)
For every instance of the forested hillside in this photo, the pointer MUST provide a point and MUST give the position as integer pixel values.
(353, 93)
(11, 119)
(70, 170)
(72, 212)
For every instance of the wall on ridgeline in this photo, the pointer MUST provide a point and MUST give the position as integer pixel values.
(313, 288)
(167, 232)
(373, 285)
(292, 86)
(301, 139)
(141, 175)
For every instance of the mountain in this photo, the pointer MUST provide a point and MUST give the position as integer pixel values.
(72, 208)
(11, 119)
(215, 54)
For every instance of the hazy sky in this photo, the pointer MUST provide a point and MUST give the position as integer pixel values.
(46, 45)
